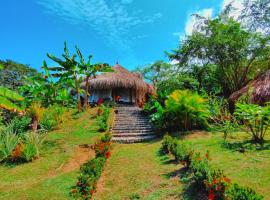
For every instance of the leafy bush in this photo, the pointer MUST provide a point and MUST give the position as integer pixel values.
(217, 184)
(207, 179)
(183, 153)
(255, 118)
(102, 119)
(201, 169)
(52, 117)
(87, 181)
(168, 144)
(91, 171)
(237, 192)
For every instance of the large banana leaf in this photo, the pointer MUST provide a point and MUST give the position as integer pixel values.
(7, 93)
(8, 105)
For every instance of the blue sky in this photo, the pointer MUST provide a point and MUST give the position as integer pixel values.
(133, 32)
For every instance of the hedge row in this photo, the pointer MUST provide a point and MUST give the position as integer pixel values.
(213, 181)
(91, 171)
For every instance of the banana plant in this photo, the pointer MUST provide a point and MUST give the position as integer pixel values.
(90, 71)
(67, 70)
(7, 99)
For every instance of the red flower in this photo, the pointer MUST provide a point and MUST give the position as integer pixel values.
(214, 181)
(92, 192)
(211, 195)
(74, 191)
(227, 180)
(108, 154)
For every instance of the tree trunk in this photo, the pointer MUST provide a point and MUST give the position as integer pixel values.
(86, 94)
(79, 105)
(34, 124)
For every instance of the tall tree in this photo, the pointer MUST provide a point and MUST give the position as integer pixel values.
(156, 71)
(237, 54)
(13, 74)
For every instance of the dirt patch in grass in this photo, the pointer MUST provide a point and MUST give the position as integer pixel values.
(82, 154)
(198, 134)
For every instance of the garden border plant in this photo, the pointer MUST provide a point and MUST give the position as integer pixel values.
(91, 171)
(206, 178)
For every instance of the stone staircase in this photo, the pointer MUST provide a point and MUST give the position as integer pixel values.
(131, 125)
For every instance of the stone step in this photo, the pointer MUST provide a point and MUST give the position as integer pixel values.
(128, 127)
(132, 131)
(123, 122)
(133, 139)
(132, 128)
(133, 118)
(133, 134)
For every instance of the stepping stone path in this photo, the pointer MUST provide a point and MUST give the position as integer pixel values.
(131, 125)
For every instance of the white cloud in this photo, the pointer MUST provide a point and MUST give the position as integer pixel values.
(110, 19)
(208, 13)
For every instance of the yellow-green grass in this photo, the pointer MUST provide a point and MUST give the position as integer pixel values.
(138, 171)
(44, 178)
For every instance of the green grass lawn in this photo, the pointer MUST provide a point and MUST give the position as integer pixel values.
(52, 175)
(138, 171)
(135, 171)
(249, 168)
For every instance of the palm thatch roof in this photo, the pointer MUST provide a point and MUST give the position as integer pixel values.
(120, 78)
(258, 90)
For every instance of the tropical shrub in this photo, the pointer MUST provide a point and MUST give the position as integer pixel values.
(20, 124)
(186, 110)
(31, 145)
(237, 192)
(255, 118)
(201, 169)
(52, 117)
(36, 112)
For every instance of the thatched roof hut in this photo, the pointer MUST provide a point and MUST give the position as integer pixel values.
(258, 90)
(130, 86)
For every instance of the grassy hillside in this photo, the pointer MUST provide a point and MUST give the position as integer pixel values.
(51, 176)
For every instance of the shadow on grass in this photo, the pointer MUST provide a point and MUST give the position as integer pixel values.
(190, 189)
(192, 192)
(245, 145)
